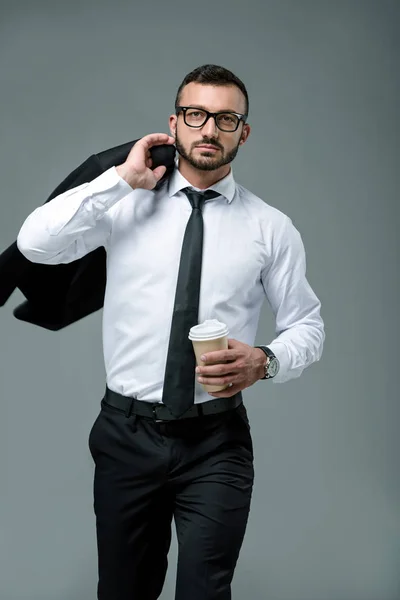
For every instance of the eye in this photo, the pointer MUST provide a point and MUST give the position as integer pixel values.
(195, 113)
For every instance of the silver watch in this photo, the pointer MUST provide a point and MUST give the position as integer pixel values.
(272, 365)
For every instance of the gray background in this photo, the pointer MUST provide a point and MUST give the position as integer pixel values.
(323, 81)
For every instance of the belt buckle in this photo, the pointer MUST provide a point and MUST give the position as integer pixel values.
(154, 409)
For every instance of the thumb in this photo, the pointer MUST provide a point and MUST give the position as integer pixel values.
(159, 172)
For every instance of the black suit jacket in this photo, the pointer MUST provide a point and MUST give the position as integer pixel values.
(58, 295)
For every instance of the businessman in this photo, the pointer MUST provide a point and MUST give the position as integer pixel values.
(198, 246)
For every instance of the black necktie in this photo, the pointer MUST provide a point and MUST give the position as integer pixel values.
(179, 379)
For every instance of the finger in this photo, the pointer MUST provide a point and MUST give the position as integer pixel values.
(227, 379)
(219, 356)
(159, 172)
(219, 369)
(212, 381)
(154, 139)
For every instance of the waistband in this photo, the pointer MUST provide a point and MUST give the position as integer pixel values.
(160, 412)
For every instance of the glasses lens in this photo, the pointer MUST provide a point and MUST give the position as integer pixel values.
(195, 117)
(227, 121)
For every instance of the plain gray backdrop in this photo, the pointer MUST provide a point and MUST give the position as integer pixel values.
(323, 80)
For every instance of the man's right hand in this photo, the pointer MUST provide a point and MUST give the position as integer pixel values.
(136, 170)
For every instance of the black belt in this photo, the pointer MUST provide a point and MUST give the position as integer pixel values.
(160, 412)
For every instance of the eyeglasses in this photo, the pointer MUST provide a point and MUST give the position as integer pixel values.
(197, 117)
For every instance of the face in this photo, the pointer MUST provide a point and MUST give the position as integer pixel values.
(188, 139)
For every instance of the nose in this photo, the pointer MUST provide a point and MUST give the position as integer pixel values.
(210, 128)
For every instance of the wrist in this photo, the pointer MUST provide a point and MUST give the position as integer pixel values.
(123, 172)
(260, 362)
(271, 365)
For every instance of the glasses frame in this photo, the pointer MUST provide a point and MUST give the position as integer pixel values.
(209, 114)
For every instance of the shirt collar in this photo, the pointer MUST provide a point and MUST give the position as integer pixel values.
(226, 187)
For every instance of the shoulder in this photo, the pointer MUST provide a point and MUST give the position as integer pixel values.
(277, 230)
(267, 213)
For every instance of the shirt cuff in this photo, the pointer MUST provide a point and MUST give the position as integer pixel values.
(108, 180)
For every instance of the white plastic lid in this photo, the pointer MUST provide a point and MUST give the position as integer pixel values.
(208, 330)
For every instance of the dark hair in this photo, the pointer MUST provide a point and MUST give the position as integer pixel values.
(213, 75)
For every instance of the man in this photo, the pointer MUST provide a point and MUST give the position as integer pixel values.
(159, 453)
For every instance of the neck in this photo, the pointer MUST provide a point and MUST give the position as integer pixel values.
(202, 179)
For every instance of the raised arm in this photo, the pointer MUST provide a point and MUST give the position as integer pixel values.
(73, 223)
(77, 221)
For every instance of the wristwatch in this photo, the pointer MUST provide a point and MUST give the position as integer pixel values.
(272, 365)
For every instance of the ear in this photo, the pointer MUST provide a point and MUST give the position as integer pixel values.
(245, 134)
(172, 124)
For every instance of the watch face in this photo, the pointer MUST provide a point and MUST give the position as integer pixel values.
(273, 367)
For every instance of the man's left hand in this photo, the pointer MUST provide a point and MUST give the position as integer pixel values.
(245, 366)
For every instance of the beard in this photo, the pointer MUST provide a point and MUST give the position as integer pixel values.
(208, 161)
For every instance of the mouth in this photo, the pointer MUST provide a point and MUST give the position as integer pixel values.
(208, 147)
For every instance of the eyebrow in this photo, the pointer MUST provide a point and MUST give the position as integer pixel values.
(204, 108)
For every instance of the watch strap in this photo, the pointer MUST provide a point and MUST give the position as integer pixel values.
(270, 355)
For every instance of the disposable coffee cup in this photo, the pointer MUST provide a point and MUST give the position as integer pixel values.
(209, 336)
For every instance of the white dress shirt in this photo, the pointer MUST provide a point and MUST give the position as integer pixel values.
(251, 252)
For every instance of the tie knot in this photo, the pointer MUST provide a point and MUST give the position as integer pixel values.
(197, 199)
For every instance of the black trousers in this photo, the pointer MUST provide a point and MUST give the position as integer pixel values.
(197, 471)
